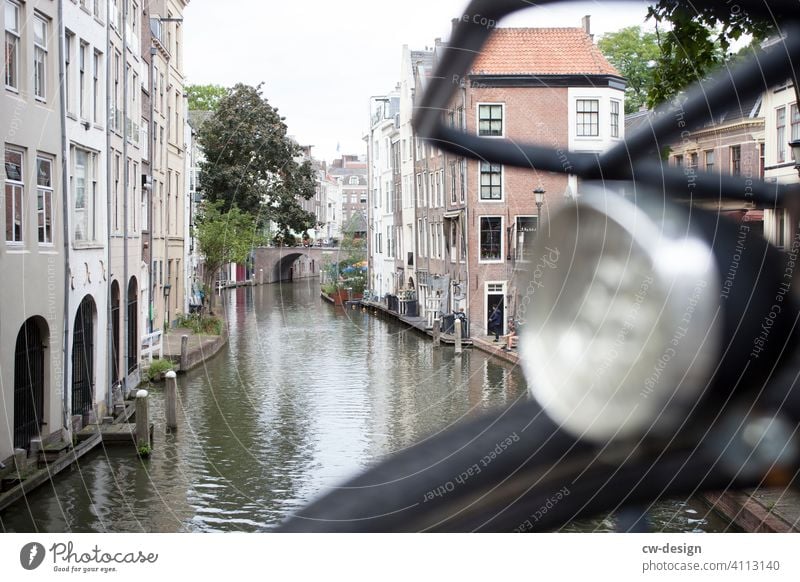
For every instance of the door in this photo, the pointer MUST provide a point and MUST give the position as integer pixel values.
(495, 299)
(83, 358)
(28, 384)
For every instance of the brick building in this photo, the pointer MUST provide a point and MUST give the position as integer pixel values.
(550, 86)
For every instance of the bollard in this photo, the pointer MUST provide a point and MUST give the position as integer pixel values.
(142, 421)
(437, 332)
(184, 353)
(458, 335)
(172, 400)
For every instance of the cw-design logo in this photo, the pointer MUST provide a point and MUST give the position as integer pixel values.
(31, 556)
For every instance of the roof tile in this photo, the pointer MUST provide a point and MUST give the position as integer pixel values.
(541, 51)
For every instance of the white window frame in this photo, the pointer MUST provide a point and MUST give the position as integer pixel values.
(519, 256)
(503, 285)
(97, 102)
(613, 115)
(483, 200)
(83, 108)
(502, 119)
(501, 259)
(12, 36)
(578, 114)
(85, 215)
(40, 58)
(16, 195)
(44, 202)
(780, 134)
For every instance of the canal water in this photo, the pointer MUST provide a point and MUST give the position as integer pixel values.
(304, 396)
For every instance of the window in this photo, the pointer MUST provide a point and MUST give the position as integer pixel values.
(679, 161)
(96, 99)
(491, 238)
(463, 181)
(761, 160)
(39, 57)
(781, 134)
(354, 180)
(491, 181)
(363, 198)
(795, 122)
(12, 47)
(116, 117)
(588, 117)
(84, 191)
(736, 160)
(525, 231)
(694, 160)
(15, 192)
(490, 120)
(68, 41)
(44, 198)
(710, 159)
(98, 9)
(453, 198)
(615, 119)
(82, 50)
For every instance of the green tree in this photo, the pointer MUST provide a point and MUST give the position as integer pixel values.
(698, 40)
(633, 53)
(222, 238)
(251, 163)
(205, 97)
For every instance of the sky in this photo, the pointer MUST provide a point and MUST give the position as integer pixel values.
(321, 60)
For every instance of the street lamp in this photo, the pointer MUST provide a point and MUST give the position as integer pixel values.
(539, 196)
(167, 289)
(795, 145)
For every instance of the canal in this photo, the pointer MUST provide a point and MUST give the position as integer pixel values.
(303, 396)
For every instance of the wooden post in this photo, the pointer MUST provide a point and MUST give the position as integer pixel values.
(184, 353)
(172, 400)
(437, 331)
(142, 420)
(457, 331)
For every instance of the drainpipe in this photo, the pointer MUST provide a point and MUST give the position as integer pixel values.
(110, 324)
(465, 222)
(66, 407)
(125, 182)
(150, 208)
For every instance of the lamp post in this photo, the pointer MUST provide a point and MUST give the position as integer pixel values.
(167, 289)
(795, 145)
(539, 196)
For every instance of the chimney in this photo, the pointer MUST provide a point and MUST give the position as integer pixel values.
(587, 25)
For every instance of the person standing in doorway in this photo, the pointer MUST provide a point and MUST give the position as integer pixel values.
(495, 322)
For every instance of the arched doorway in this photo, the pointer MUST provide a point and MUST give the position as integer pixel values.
(115, 315)
(29, 374)
(83, 357)
(133, 325)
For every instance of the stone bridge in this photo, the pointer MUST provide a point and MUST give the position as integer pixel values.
(277, 264)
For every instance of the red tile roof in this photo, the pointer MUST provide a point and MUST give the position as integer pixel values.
(541, 51)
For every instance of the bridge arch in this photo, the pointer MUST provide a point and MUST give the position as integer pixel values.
(279, 264)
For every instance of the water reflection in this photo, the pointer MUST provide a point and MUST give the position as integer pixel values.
(304, 396)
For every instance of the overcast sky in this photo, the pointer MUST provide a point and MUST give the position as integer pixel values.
(321, 60)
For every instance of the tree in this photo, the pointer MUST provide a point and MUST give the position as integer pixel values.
(205, 97)
(633, 53)
(699, 40)
(251, 163)
(222, 238)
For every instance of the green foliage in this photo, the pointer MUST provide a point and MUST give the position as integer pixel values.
(633, 53)
(200, 324)
(224, 237)
(158, 367)
(205, 97)
(252, 164)
(698, 42)
(144, 451)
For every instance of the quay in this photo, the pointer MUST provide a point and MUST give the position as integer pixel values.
(27, 472)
